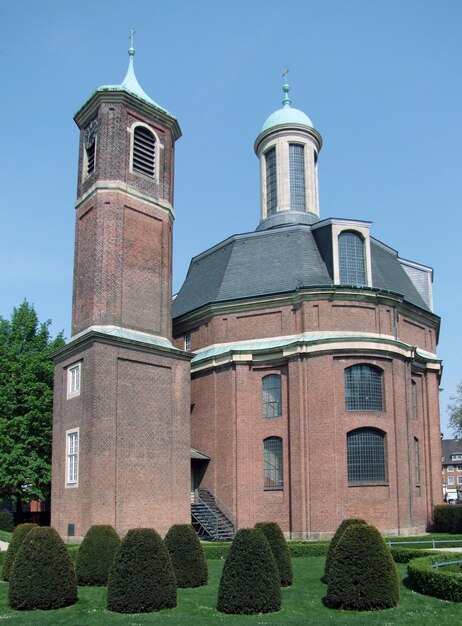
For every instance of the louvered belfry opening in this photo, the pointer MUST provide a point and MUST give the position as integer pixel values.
(143, 151)
(91, 158)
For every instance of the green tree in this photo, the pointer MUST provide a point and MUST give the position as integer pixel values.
(455, 411)
(26, 402)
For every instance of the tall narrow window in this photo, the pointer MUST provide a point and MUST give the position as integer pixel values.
(363, 388)
(271, 389)
(72, 469)
(414, 399)
(271, 182)
(187, 341)
(90, 147)
(143, 151)
(73, 380)
(297, 177)
(351, 258)
(272, 461)
(417, 461)
(366, 456)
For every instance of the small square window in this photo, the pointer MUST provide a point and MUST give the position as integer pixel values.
(450, 480)
(73, 380)
(459, 468)
(459, 480)
(450, 468)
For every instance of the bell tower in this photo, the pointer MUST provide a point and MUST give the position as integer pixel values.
(121, 449)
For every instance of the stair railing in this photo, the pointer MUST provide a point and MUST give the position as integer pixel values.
(212, 512)
(220, 505)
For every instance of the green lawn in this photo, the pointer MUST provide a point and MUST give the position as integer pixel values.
(302, 604)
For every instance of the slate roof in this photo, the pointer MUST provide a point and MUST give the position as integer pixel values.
(448, 447)
(276, 261)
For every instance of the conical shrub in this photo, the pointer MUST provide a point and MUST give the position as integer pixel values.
(141, 579)
(250, 579)
(18, 536)
(333, 544)
(280, 550)
(96, 555)
(43, 575)
(188, 557)
(362, 575)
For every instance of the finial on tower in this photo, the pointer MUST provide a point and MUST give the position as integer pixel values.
(286, 88)
(131, 50)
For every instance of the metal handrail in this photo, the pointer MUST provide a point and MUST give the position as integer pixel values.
(437, 565)
(215, 515)
(221, 506)
(432, 541)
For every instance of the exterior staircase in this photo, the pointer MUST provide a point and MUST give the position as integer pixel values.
(210, 517)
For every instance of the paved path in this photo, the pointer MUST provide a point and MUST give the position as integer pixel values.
(3, 546)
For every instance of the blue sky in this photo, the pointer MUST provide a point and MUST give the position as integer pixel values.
(380, 80)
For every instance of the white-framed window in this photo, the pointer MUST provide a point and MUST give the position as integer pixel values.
(450, 468)
(72, 457)
(459, 480)
(459, 468)
(352, 258)
(456, 457)
(74, 377)
(187, 341)
(450, 480)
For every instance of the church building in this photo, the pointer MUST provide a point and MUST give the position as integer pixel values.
(294, 379)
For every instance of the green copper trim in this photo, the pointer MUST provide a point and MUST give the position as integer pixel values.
(286, 115)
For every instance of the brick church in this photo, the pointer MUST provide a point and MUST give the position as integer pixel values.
(293, 378)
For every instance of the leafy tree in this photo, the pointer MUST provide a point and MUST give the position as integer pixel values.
(26, 400)
(455, 411)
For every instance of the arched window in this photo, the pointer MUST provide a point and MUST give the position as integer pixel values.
(272, 463)
(271, 182)
(363, 388)
(297, 177)
(144, 143)
(271, 392)
(351, 258)
(366, 456)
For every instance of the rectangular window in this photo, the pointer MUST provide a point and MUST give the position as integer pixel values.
(459, 480)
(272, 462)
(297, 177)
(187, 341)
(456, 457)
(73, 380)
(417, 461)
(271, 182)
(459, 468)
(72, 457)
(450, 480)
(450, 468)
(414, 400)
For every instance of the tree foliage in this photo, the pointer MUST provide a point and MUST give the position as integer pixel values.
(188, 557)
(455, 411)
(43, 575)
(26, 402)
(96, 555)
(250, 582)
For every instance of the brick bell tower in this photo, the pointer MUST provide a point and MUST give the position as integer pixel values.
(121, 441)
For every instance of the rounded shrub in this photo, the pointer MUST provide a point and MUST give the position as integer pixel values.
(362, 575)
(96, 555)
(250, 579)
(141, 579)
(333, 544)
(43, 575)
(280, 550)
(188, 557)
(6, 521)
(18, 536)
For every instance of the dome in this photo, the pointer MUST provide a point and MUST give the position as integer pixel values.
(287, 114)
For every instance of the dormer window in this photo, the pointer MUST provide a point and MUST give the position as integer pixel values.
(351, 258)
(271, 182)
(297, 177)
(144, 143)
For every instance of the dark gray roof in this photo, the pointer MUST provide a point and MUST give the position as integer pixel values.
(449, 447)
(276, 261)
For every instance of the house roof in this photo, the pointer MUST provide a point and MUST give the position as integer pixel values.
(450, 447)
(279, 260)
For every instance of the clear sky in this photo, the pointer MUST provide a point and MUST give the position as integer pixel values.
(381, 81)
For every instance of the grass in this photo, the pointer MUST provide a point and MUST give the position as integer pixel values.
(302, 604)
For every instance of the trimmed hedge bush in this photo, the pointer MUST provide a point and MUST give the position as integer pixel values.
(6, 521)
(362, 574)
(188, 557)
(447, 518)
(96, 555)
(280, 550)
(404, 555)
(250, 579)
(43, 575)
(17, 538)
(439, 583)
(141, 579)
(333, 544)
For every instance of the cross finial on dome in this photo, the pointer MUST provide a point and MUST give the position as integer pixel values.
(286, 88)
(131, 50)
